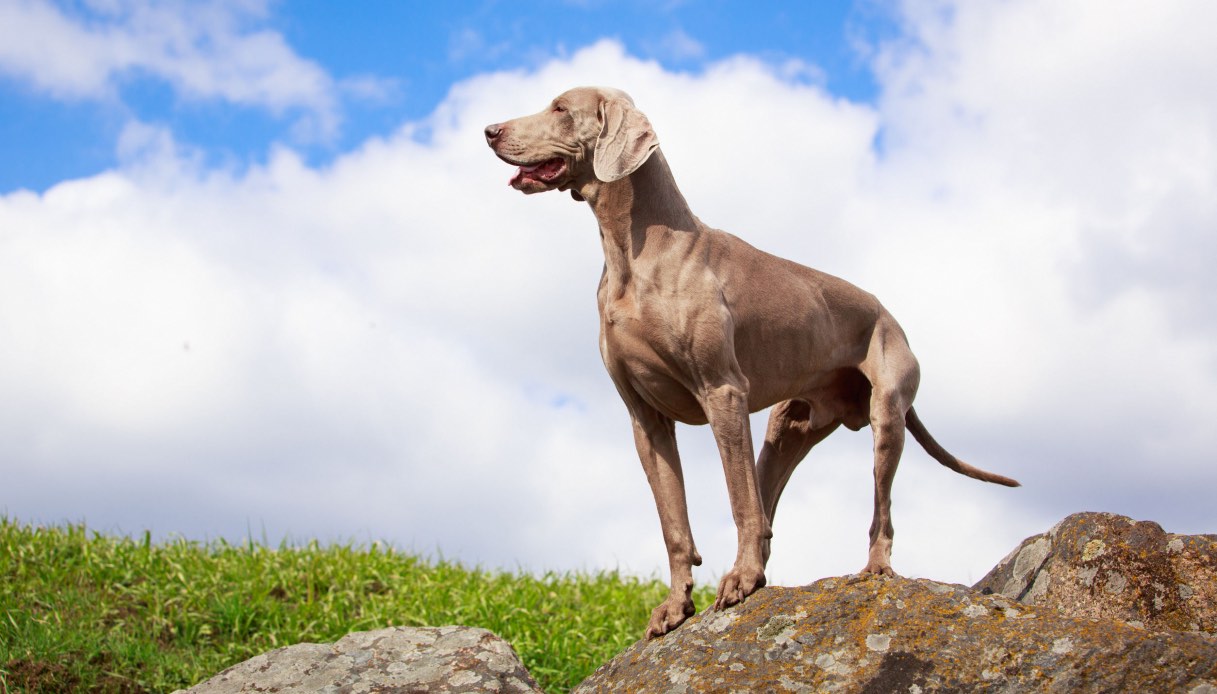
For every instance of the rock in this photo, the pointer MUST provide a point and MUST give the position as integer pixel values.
(1101, 565)
(397, 659)
(871, 634)
(1098, 603)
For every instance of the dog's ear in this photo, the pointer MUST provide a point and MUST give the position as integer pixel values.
(626, 140)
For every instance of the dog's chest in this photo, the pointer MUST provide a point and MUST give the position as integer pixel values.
(647, 351)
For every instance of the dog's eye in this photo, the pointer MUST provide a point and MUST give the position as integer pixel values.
(559, 108)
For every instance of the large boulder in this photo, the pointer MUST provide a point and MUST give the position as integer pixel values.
(1097, 603)
(1100, 565)
(397, 659)
(872, 634)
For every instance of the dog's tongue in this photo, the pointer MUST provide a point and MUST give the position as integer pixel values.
(520, 173)
(536, 171)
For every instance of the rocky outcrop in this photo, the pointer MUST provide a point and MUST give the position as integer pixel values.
(872, 634)
(397, 659)
(1100, 565)
(1099, 603)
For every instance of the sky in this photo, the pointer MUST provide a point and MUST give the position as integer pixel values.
(260, 275)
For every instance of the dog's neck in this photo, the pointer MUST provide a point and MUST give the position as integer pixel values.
(644, 211)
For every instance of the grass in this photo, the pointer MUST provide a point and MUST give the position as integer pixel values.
(83, 611)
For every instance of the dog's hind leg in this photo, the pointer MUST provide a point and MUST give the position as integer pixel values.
(894, 374)
(887, 423)
(788, 439)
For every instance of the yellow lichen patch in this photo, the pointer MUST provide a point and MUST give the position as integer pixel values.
(1093, 550)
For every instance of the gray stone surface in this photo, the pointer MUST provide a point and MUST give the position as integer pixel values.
(872, 634)
(1099, 603)
(1107, 566)
(397, 659)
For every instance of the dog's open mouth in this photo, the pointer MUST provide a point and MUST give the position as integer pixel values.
(534, 175)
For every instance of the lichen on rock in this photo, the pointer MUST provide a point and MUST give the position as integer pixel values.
(1102, 565)
(852, 636)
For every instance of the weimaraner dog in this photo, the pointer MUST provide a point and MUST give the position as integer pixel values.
(697, 326)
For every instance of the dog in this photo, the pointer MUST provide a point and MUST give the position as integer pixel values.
(697, 326)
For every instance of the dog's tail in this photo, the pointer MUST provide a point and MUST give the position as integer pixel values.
(914, 425)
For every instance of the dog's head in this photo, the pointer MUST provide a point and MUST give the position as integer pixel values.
(585, 134)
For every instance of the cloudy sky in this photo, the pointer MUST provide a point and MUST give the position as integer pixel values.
(260, 274)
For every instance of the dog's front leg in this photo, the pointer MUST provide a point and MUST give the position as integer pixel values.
(655, 437)
(726, 408)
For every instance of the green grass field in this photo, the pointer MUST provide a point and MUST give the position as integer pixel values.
(86, 612)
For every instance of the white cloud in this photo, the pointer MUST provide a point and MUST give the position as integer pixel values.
(399, 346)
(205, 51)
(1073, 149)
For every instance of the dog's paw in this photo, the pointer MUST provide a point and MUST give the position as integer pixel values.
(874, 568)
(670, 614)
(738, 584)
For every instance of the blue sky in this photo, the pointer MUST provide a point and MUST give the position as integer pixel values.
(258, 268)
(408, 54)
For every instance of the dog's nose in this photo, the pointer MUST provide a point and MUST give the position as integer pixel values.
(493, 132)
